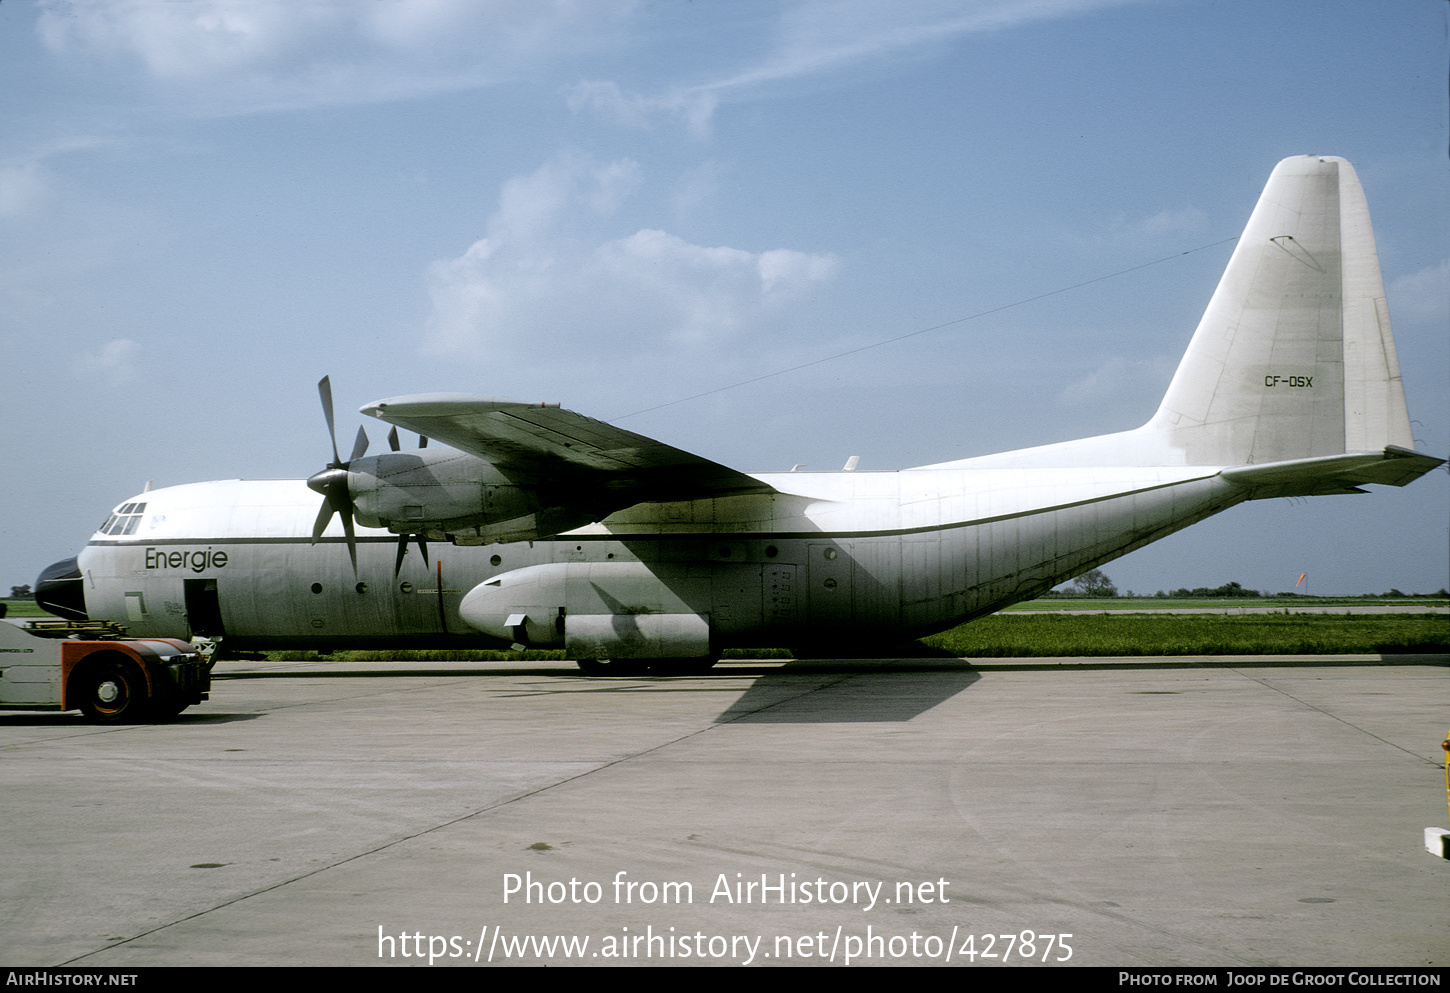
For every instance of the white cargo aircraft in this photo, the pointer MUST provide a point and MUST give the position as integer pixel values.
(550, 529)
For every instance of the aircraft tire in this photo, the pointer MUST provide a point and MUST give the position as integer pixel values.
(593, 667)
(110, 691)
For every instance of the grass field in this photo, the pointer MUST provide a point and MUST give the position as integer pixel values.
(1025, 635)
(1095, 636)
(1188, 603)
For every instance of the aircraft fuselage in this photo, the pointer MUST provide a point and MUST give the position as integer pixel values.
(874, 556)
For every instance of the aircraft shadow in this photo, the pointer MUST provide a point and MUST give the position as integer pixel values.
(831, 691)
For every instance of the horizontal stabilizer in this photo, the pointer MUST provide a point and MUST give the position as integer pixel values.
(1332, 473)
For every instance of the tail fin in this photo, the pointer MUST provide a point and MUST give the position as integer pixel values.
(1294, 357)
(1290, 385)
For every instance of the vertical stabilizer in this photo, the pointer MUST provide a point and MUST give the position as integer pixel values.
(1294, 357)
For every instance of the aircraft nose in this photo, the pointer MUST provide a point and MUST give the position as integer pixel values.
(61, 590)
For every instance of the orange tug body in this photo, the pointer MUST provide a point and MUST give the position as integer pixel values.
(109, 679)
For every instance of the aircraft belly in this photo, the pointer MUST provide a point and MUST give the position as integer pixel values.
(998, 563)
(853, 586)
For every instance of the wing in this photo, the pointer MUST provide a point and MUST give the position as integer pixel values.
(544, 441)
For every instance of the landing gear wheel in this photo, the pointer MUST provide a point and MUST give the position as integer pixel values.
(110, 691)
(592, 667)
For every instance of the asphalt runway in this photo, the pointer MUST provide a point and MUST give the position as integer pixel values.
(1120, 812)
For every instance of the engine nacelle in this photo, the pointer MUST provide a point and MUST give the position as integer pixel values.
(441, 492)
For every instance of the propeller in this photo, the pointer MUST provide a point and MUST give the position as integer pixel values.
(396, 446)
(332, 484)
(332, 481)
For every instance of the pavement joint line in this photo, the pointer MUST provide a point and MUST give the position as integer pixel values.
(449, 823)
(1321, 710)
(1022, 892)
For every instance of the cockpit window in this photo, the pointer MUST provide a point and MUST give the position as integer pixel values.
(125, 520)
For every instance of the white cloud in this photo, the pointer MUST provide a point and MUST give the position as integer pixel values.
(185, 40)
(1166, 223)
(1189, 220)
(115, 361)
(1116, 376)
(821, 35)
(539, 203)
(22, 188)
(696, 188)
(785, 271)
(693, 108)
(815, 37)
(258, 54)
(1422, 296)
(232, 56)
(546, 277)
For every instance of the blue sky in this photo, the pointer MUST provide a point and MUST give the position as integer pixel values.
(206, 206)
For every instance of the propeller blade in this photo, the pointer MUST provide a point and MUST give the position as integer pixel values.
(359, 445)
(332, 481)
(393, 442)
(347, 529)
(323, 517)
(324, 390)
(402, 551)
